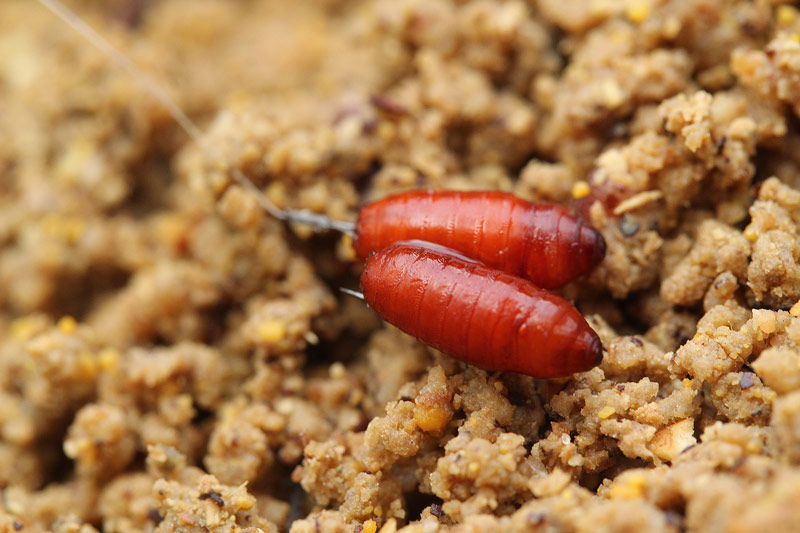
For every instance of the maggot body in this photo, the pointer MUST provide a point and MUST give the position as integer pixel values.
(480, 315)
(541, 242)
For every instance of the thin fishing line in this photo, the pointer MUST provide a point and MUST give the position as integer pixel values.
(302, 216)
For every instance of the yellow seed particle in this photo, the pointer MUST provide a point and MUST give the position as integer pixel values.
(625, 492)
(370, 526)
(638, 12)
(244, 503)
(786, 15)
(271, 331)
(795, 37)
(378, 511)
(795, 310)
(474, 467)
(606, 412)
(498, 386)
(430, 418)
(687, 383)
(750, 234)
(581, 190)
(67, 325)
(631, 489)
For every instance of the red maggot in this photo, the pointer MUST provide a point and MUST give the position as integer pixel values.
(477, 314)
(541, 242)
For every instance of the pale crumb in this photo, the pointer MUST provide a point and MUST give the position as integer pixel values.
(337, 370)
(637, 201)
(764, 320)
(390, 526)
(670, 441)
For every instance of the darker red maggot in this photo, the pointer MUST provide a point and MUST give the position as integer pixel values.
(477, 314)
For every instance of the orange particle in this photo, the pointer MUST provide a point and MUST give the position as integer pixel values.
(581, 190)
(370, 526)
(430, 418)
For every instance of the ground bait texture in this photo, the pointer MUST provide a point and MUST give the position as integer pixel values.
(171, 359)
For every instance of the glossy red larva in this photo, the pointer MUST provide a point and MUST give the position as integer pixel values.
(478, 314)
(541, 242)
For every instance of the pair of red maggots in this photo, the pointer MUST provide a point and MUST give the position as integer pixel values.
(466, 273)
(469, 282)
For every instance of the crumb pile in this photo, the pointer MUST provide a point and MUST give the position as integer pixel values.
(172, 359)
